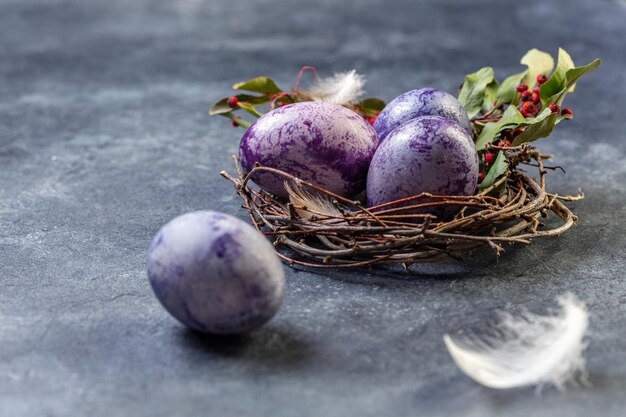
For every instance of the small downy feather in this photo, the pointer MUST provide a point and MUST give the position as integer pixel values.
(529, 349)
(309, 205)
(342, 88)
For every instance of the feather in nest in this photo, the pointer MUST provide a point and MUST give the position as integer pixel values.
(309, 205)
(343, 88)
(529, 349)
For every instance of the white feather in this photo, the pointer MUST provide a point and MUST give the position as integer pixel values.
(309, 205)
(529, 349)
(342, 88)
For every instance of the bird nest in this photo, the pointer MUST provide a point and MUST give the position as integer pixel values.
(323, 229)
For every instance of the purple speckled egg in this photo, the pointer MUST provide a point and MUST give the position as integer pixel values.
(323, 143)
(430, 154)
(417, 103)
(215, 273)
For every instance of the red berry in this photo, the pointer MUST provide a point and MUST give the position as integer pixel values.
(481, 177)
(536, 90)
(504, 143)
(232, 102)
(518, 131)
(555, 108)
(524, 113)
(234, 123)
(567, 112)
(521, 87)
(536, 99)
(526, 96)
(541, 78)
(490, 158)
(529, 107)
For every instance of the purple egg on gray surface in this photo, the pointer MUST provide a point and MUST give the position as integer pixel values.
(430, 154)
(417, 103)
(323, 143)
(215, 273)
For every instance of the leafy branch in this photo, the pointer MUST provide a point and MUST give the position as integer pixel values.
(525, 107)
(262, 94)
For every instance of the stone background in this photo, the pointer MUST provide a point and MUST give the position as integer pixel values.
(104, 136)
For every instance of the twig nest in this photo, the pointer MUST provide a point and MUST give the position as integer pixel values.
(430, 154)
(353, 236)
(215, 273)
(319, 142)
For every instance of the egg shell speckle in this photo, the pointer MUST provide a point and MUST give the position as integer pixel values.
(215, 273)
(417, 103)
(430, 154)
(323, 143)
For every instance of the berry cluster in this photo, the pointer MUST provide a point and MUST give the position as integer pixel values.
(529, 106)
(530, 101)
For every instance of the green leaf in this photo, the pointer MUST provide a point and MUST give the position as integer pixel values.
(499, 167)
(572, 75)
(537, 127)
(490, 96)
(371, 106)
(250, 109)
(263, 85)
(538, 62)
(511, 118)
(556, 82)
(473, 90)
(221, 107)
(506, 92)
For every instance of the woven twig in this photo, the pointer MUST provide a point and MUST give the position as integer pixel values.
(510, 211)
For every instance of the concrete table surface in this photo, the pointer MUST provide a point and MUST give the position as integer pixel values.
(104, 136)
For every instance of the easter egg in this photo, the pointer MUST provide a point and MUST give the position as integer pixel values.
(417, 103)
(215, 273)
(429, 154)
(326, 144)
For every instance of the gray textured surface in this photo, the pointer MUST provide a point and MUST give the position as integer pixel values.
(104, 137)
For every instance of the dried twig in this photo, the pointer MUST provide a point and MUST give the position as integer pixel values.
(395, 234)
